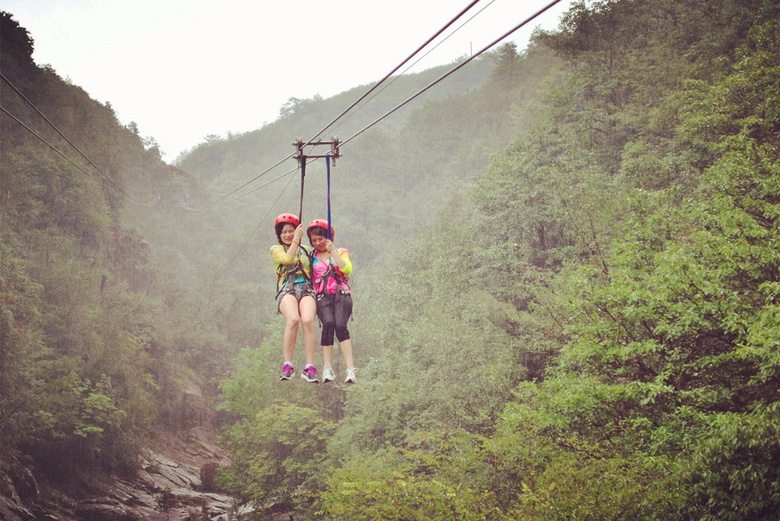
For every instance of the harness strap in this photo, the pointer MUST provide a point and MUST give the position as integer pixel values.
(331, 272)
(330, 222)
(290, 274)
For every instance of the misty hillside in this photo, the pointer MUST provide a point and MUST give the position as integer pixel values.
(566, 271)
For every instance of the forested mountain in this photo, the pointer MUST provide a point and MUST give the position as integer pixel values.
(566, 280)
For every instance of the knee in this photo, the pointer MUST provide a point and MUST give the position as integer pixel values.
(342, 333)
(293, 322)
(307, 322)
(327, 321)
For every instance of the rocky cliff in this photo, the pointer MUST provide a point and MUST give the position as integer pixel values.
(175, 481)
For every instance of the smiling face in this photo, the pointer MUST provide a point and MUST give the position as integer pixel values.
(319, 242)
(287, 234)
(318, 238)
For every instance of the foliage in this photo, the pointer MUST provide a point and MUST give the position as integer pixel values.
(22, 350)
(433, 480)
(276, 452)
(668, 366)
(659, 291)
(734, 472)
(78, 389)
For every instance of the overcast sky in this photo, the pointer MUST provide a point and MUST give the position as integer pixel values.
(186, 69)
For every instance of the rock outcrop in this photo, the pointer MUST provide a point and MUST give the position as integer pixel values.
(175, 482)
(167, 487)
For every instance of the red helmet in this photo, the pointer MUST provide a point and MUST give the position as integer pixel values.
(319, 223)
(286, 218)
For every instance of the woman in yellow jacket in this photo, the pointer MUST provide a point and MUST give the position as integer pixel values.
(295, 294)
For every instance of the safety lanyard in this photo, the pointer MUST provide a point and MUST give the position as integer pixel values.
(330, 223)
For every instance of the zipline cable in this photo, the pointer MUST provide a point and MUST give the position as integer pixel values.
(186, 207)
(429, 40)
(260, 223)
(3, 109)
(106, 176)
(378, 83)
(350, 107)
(451, 71)
(213, 203)
(386, 85)
(117, 187)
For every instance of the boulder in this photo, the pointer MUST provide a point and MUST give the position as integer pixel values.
(208, 474)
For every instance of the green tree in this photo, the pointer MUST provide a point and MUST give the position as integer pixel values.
(439, 477)
(276, 454)
(669, 379)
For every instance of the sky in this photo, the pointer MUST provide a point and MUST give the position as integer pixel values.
(182, 70)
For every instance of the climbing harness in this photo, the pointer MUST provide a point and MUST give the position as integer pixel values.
(289, 275)
(341, 280)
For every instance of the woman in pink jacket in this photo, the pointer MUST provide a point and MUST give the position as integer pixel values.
(330, 272)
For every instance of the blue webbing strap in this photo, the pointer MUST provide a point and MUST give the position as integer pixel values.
(327, 165)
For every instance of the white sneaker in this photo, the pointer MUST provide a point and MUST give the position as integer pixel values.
(327, 374)
(351, 378)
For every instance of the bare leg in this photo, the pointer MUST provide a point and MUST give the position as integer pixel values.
(289, 309)
(308, 310)
(346, 351)
(327, 355)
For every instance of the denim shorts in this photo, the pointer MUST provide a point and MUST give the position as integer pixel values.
(298, 289)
